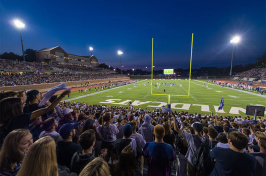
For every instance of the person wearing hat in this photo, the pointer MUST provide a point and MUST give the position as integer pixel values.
(120, 144)
(194, 142)
(67, 117)
(49, 126)
(66, 148)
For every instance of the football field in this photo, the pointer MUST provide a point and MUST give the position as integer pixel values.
(204, 97)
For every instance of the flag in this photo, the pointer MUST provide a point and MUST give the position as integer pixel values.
(51, 92)
(221, 104)
(165, 110)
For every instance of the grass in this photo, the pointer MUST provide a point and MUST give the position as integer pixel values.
(202, 98)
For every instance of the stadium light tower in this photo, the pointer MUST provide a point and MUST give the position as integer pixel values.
(120, 53)
(20, 26)
(234, 41)
(91, 49)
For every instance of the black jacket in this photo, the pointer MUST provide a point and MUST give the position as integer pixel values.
(80, 160)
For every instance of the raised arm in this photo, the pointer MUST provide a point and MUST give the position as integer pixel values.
(42, 111)
(175, 125)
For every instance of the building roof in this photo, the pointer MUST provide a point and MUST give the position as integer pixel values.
(48, 49)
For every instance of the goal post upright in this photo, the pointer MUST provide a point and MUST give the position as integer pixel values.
(190, 65)
(169, 95)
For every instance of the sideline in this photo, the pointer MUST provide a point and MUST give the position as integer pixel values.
(95, 93)
(251, 93)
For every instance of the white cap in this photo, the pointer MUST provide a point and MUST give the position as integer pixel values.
(67, 111)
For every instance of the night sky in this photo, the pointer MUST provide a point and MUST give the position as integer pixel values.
(130, 25)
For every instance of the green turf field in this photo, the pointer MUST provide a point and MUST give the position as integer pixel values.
(203, 99)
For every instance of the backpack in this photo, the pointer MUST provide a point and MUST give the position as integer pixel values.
(201, 158)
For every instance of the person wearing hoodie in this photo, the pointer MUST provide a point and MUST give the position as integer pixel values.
(81, 158)
(146, 129)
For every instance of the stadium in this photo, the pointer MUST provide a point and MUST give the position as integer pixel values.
(136, 99)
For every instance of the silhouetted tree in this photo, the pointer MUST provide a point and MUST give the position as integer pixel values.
(30, 55)
(11, 56)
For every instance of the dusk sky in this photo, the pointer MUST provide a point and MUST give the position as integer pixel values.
(130, 25)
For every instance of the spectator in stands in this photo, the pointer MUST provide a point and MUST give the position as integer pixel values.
(58, 112)
(97, 167)
(226, 130)
(235, 127)
(126, 164)
(66, 148)
(169, 136)
(49, 126)
(138, 137)
(146, 129)
(222, 141)
(81, 158)
(158, 155)
(67, 117)
(120, 144)
(16, 144)
(107, 132)
(260, 157)
(120, 126)
(89, 124)
(194, 142)
(218, 126)
(8, 94)
(205, 132)
(262, 127)
(233, 161)
(247, 133)
(40, 159)
(212, 133)
(12, 117)
(22, 95)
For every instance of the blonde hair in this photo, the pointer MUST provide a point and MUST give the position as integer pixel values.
(10, 152)
(40, 159)
(97, 167)
(159, 131)
(167, 128)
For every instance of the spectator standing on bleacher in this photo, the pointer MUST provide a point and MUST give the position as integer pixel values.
(66, 148)
(146, 129)
(159, 155)
(233, 161)
(194, 141)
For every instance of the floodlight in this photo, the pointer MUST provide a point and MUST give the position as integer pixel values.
(19, 24)
(236, 39)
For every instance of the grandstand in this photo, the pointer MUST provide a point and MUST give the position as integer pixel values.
(255, 74)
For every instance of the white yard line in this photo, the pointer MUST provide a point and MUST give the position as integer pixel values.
(190, 94)
(251, 93)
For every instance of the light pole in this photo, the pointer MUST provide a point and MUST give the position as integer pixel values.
(120, 53)
(91, 49)
(20, 25)
(133, 70)
(235, 40)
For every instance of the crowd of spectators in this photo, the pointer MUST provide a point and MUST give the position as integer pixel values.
(26, 73)
(31, 78)
(258, 73)
(10, 65)
(63, 138)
